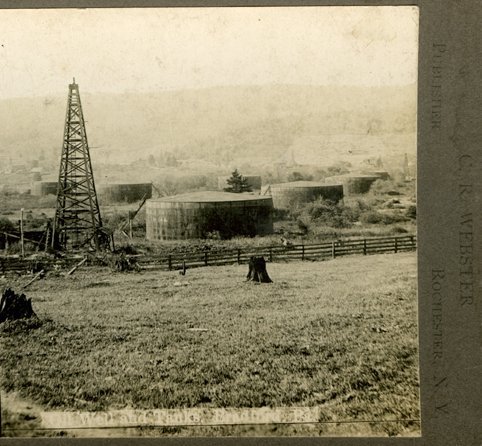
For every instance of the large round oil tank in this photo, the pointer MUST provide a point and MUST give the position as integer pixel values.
(125, 192)
(200, 214)
(287, 195)
(353, 183)
(254, 181)
(42, 188)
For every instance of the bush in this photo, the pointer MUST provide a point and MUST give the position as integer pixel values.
(302, 226)
(325, 212)
(35, 223)
(16, 247)
(339, 168)
(371, 217)
(383, 187)
(48, 201)
(213, 235)
(297, 176)
(6, 225)
(374, 217)
(280, 214)
(126, 249)
(113, 221)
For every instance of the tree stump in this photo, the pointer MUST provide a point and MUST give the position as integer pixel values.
(14, 306)
(257, 270)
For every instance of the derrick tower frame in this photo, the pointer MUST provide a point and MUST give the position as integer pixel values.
(77, 222)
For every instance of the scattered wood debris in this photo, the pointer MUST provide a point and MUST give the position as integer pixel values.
(39, 275)
(77, 266)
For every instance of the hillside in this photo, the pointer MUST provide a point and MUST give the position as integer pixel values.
(222, 123)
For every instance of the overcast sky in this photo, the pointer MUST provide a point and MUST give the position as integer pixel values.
(117, 50)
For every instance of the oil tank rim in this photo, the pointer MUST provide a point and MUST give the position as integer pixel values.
(210, 197)
(124, 184)
(301, 184)
(356, 175)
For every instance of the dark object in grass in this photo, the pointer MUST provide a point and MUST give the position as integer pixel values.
(15, 306)
(257, 270)
(122, 263)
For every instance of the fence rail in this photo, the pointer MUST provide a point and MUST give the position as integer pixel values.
(320, 251)
(303, 252)
(19, 265)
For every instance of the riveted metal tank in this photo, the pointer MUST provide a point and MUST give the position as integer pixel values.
(198, 214)
(353, 184)
(286, 195)
(124, 192)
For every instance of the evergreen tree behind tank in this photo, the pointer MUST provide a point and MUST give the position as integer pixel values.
(237, 183)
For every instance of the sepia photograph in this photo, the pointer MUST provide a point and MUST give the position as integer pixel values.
(208, 222)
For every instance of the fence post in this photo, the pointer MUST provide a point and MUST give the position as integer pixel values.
(47, 239)
(239, 256)
(365, 246)
(396, 245)
(169, 261)
(270, 255)
(333, 250)
(303, 252)
(412, 241)
(206, 258)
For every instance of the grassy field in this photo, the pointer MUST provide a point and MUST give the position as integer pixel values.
(341, 334)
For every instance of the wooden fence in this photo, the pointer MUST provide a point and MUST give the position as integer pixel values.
(304, 252)
(321, 251)
(17, 264)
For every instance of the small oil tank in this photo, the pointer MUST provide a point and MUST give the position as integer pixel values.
(124, 192)
(353, 184)
(287, 195)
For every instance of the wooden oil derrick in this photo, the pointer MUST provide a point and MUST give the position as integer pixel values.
(77, 222)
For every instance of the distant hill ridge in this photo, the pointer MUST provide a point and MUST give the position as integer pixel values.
(211, 123)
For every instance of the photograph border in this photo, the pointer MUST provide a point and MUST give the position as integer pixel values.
(449, 213)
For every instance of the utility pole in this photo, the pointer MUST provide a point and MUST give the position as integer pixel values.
(77, 220)
(21, 233)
